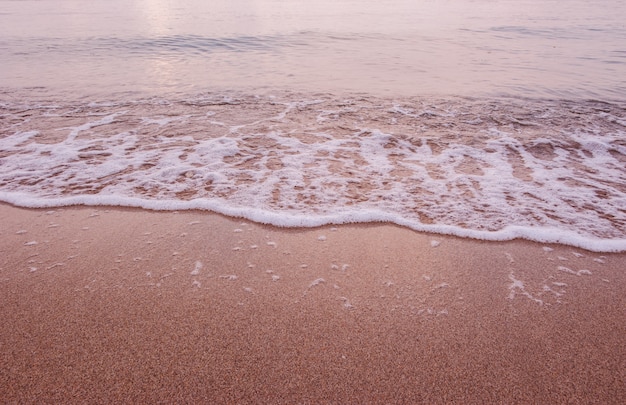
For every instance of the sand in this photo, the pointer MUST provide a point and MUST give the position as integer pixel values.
(107, 305)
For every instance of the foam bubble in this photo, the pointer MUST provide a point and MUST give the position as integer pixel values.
(196, 269)
(316, 282)
(346, 303)
(517, 287)
(527, 169)
(576, 273)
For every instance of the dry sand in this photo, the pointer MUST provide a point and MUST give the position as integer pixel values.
(121, 305)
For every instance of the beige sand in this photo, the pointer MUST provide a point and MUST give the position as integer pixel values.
(109, 305)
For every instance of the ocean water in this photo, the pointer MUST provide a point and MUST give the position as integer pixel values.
(490, 119)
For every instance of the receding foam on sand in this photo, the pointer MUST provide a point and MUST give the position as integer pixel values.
(196, 269)
(302, 161)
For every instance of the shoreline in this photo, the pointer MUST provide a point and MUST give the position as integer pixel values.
(107, 304)
(303, 222)
(442, 166)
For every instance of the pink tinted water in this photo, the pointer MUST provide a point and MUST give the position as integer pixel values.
(532, 48)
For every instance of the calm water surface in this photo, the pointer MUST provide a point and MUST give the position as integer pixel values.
(530, 48)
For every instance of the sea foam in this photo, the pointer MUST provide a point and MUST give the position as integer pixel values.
(547, 171)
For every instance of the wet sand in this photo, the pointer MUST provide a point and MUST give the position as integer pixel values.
(108, 305)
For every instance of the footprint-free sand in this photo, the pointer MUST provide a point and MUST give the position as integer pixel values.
(111, 305)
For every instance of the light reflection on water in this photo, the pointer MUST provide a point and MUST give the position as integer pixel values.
(114, 102)
(530, 48)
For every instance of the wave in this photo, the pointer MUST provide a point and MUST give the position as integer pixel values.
(492, 169)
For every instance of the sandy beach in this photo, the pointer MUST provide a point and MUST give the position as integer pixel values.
(111, 305)
(349, 176)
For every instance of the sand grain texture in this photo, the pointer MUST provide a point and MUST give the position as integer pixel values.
(124, 305)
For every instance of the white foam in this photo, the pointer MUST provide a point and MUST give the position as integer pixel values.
(293, 166)
(576, 273)
(317, 282)
(544, 235)
(518, 287)
(547, 289)
(196, 269)
(566, 270)
(346, 303)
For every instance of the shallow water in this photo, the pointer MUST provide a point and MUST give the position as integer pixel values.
(534, 48)
(485, 119)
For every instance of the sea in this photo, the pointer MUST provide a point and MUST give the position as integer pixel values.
(486, 119)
